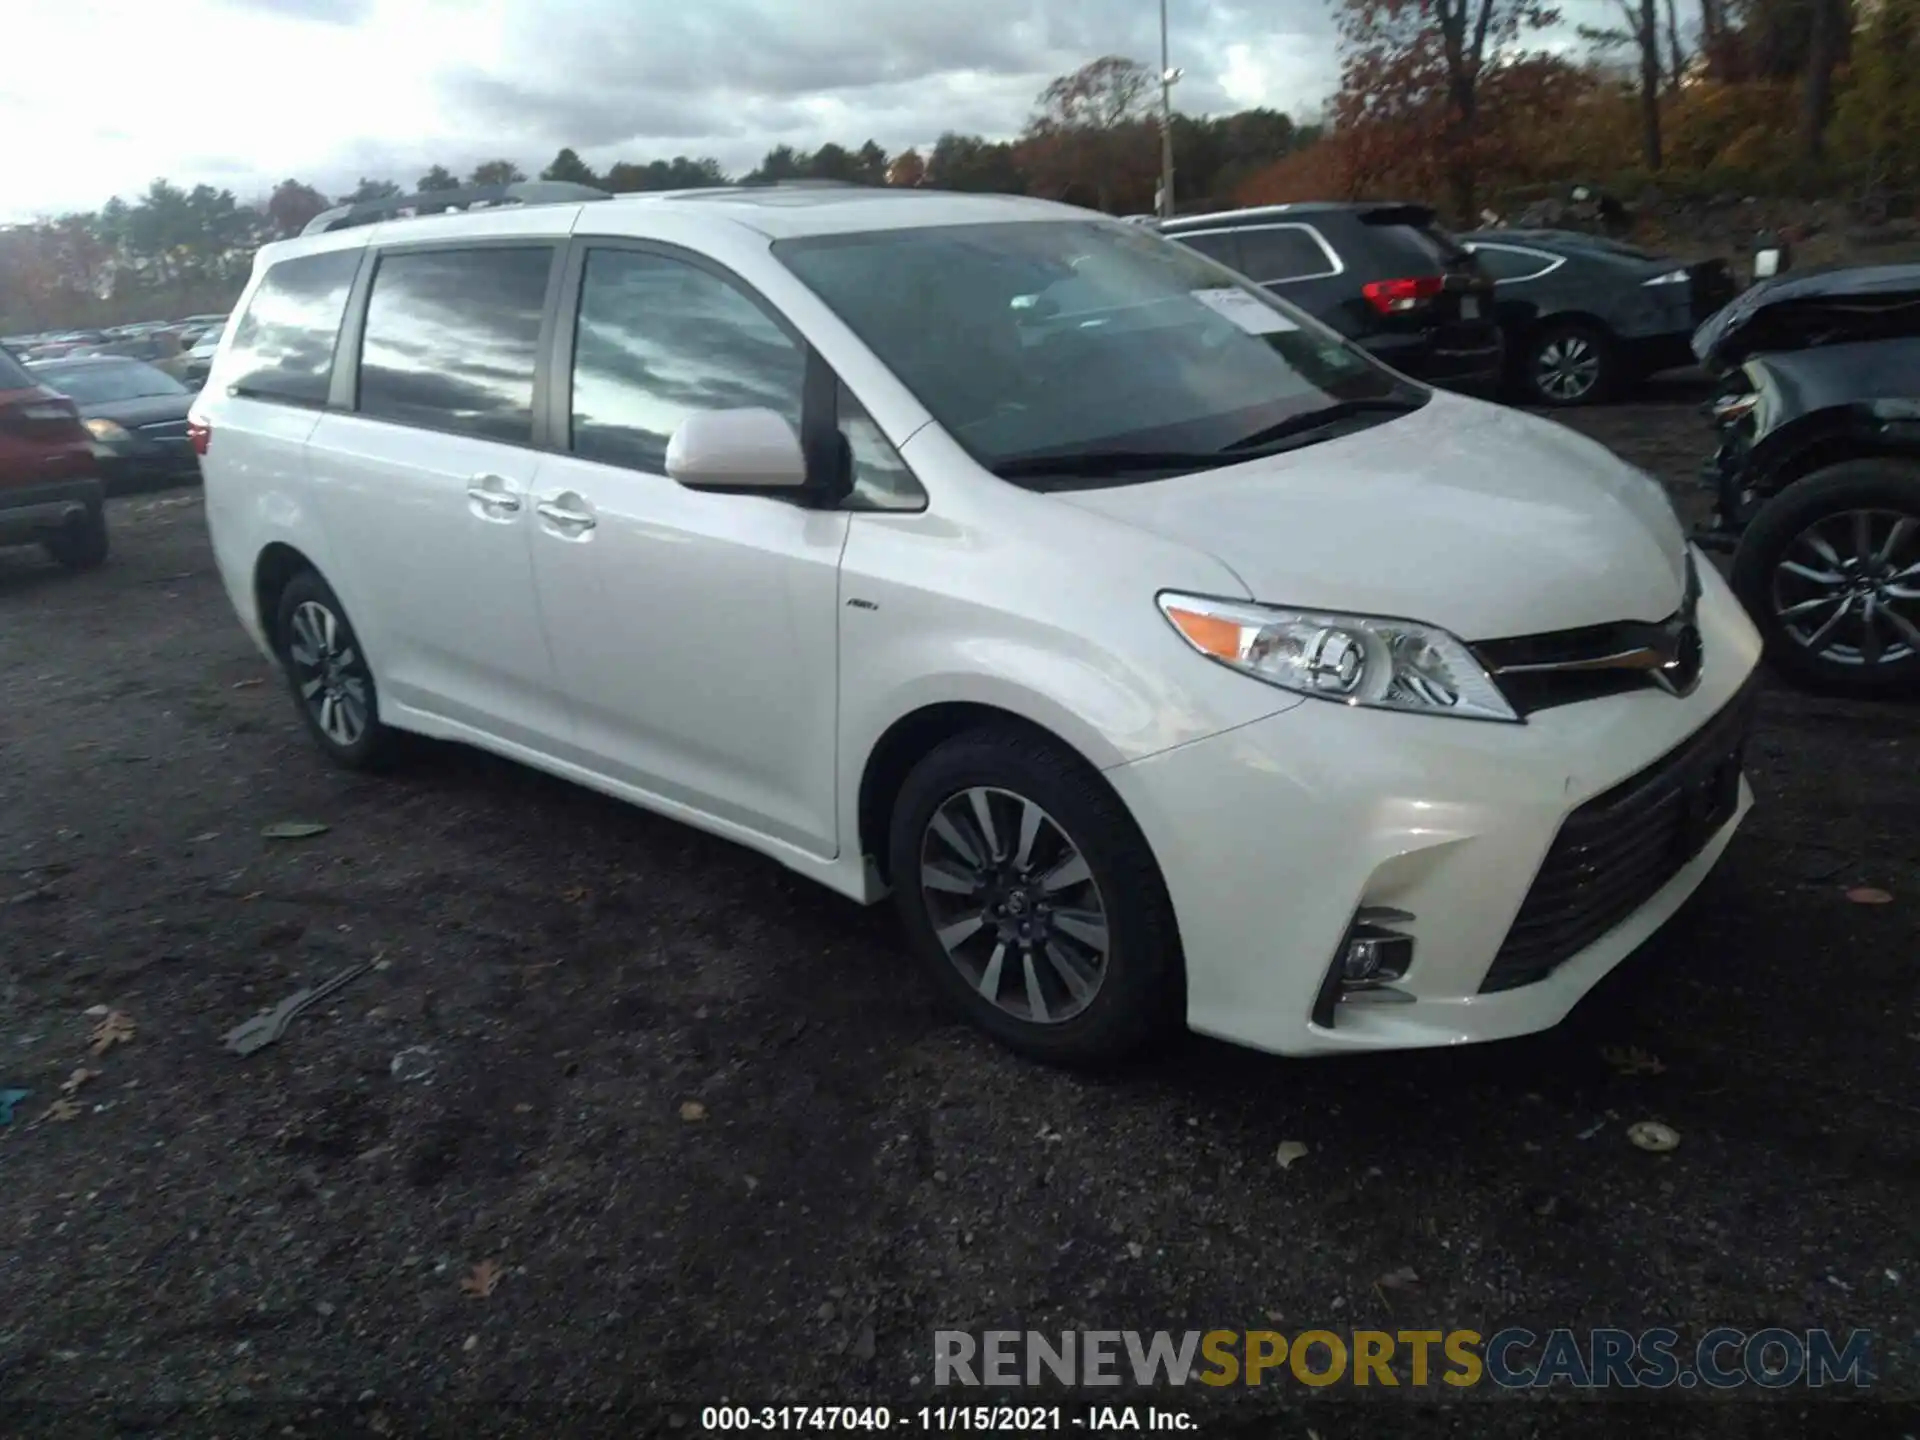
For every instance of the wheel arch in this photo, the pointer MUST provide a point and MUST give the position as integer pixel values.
(1584, 319)
(911, 737)
(1825, 438)
(273, 569)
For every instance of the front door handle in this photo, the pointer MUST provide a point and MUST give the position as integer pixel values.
(493, 497)
(567, 513)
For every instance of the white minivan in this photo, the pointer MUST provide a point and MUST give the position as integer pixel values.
(1165, 657)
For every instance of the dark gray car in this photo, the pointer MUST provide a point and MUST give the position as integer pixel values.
(1586, 316)
(136, 414)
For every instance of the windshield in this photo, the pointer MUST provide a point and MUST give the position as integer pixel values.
(95, 384)
(1059, 338)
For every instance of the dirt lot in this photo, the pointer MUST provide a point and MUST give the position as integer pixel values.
(222, 1245)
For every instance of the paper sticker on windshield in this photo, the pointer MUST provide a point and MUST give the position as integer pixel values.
(1245, 311)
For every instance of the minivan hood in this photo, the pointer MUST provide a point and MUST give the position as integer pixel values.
(1485, 521)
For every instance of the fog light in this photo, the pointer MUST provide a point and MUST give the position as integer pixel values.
(1371, 957)
(1375, 955)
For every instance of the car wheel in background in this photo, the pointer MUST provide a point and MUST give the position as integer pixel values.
(1033, 899)
(82, 543)
(1830, 571)
(1567, 363)
(327, 670)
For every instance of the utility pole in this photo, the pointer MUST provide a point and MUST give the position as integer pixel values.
(1168, 75)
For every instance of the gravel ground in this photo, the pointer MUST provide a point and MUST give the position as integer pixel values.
(710, 1138)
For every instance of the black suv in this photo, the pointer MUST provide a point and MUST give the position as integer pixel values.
(1383, 275)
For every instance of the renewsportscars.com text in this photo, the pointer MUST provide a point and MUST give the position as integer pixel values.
(1512, 1358)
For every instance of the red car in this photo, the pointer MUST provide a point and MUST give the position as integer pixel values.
(50, 491)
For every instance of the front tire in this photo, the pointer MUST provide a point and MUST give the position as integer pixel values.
(1830, 571)
(81, 544)
(1033, 900)
(1568, 364)
(328, 674)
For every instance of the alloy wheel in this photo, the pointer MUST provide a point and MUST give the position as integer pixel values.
(1567, 367)
(330, 673)
(1014, 904)
(1847, 589)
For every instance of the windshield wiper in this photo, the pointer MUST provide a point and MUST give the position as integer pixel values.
(1295, 426)
(1100, 464)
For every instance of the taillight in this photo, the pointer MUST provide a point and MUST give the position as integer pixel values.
(40, 413)
(200, 433)
(1396, 297)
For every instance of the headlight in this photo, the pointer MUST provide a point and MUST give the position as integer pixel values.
(1672, 277)
(106, 432)
(1355, 659)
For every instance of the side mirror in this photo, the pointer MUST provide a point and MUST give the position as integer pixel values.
(737, 450)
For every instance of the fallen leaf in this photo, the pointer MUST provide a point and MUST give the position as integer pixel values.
(294, 829)
(1401, 1279)
(63, 1110)
(693, 1110)
(94, 1012)
(575, 895)
(246, 684)
(1289, 1151)
(482, 1279)
(73, 1082)
(1652, 1135)
(116, 1028)
(523, 1108)
(1632, 1060)
(1869, 895)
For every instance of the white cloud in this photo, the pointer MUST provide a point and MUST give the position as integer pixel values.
(242, 93)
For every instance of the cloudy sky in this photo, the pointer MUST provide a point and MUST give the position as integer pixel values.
(242, 93)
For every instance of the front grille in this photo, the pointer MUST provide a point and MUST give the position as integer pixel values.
(1565, 667)
(1615, 852)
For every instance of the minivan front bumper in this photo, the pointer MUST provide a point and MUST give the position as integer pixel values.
(1274, 837)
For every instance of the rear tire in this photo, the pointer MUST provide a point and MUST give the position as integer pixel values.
(1048, 926)
(1813, 557)
(329, 676)
(1568, 363)
(82, 543)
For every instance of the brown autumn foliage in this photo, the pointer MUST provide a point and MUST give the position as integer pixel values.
(1095, 140)
(1445, 101)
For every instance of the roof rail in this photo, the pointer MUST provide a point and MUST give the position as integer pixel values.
(432, 202)
(802, 184)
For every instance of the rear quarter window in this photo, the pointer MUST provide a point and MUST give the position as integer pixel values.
(14, 375)
(283, 346)
(1405, 250)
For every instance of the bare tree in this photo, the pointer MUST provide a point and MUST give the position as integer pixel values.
(1831, 19)
(1678, 68)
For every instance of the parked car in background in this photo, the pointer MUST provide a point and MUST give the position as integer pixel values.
(1382, 275)
(50, 493)
(196, 328)
(1005, 558)
(51, 347)
(200, 358)
(136, 414)
(161, 349)
(1817, 474)
(1586, 316)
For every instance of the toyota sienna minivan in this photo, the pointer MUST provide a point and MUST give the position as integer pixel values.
(1164, 656)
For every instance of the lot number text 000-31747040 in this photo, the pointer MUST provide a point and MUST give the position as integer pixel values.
(977, 1419)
